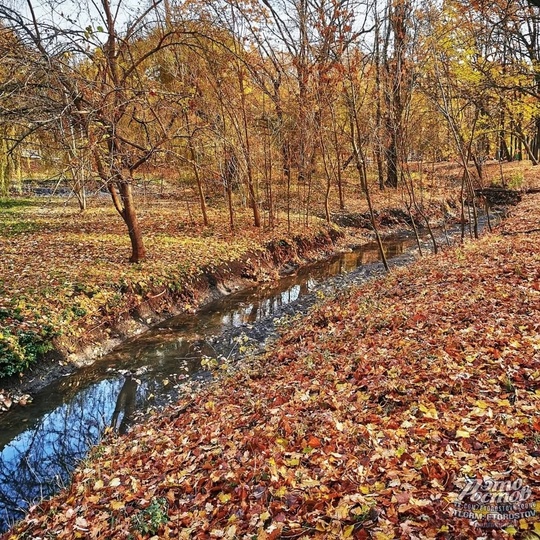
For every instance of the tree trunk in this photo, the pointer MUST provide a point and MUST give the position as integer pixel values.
(129, 215)
(397, 91)
(391, 161)
(230, 170)
(4, 157)
(535, 150)
(327, 177)
(504, 152)
(122, 197)
(378, 147)
(247, 154)
(195, 166)
(339, 165)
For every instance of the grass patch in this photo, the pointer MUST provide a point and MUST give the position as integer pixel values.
(12, 205)
(14, 228)
(14, 218)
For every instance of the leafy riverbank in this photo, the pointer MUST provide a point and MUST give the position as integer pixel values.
(66, 286)
(67, 294)
(364, 421)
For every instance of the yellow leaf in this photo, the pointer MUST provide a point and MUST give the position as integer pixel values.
(481, 404)
(342, 512)
(511, 530)
(383, 536)
(117, 505)
(98, 485)
(273, 469)
(115, 482)
(348, 531)
(464, 434)
(310, 482)
(224, 497)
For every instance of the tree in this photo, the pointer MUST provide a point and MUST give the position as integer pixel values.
(397, 83)
(95, 80)
(510, 64)
(10, 124)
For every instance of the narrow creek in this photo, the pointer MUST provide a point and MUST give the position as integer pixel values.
(42, 443)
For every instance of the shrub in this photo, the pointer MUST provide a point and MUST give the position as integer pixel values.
(149, 520)
(19, 349)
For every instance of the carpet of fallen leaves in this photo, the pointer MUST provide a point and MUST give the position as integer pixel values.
(363, 422)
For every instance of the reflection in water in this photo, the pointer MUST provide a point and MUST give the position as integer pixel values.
(40, 460)
(41, 444)
(125, 405)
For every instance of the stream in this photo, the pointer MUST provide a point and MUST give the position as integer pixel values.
(42, 443)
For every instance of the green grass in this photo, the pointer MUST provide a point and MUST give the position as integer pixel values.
(13, 228)
(12, 206)
(13, 218)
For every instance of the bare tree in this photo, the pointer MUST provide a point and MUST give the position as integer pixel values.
(93, 79)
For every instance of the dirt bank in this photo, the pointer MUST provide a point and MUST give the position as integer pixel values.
(143, 305)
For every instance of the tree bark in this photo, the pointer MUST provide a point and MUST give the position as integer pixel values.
(122, 197)
(129, 215)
